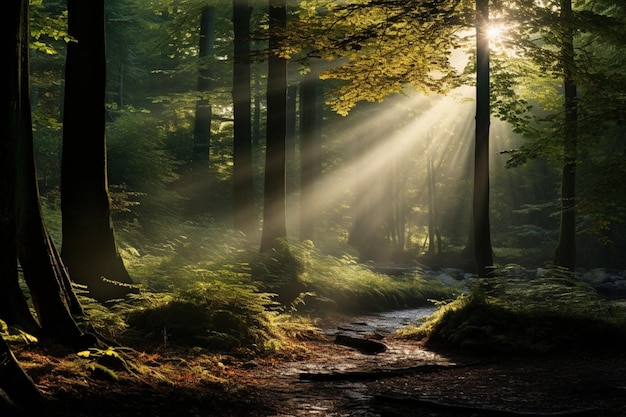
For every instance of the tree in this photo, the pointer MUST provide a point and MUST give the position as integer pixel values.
(575, 126)
(274, 194)
(19, 203)
(13, 307)
(244, 213)
(50, 289)
(18, 392)
(364, 39)
(565, 254)
(200, 176)
(483, 256)
(89, 248)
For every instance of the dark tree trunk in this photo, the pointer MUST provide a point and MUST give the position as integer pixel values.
(200, 166)
(274, 210)
(565, 254)
(13, 306)
(89, 248)
(310, 154)
(21, 393)
(45, 275)
(483, 256)
(244, 213)
(18, 393)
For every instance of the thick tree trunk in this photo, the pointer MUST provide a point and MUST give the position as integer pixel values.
(13, 306)
(565, 254)
(21, 392)
(244, 213)
(310, 154)
(274, 209)
(89, 248)
(483, 255)
(47, 279)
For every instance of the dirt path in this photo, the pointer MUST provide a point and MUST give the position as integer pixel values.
(407, 380)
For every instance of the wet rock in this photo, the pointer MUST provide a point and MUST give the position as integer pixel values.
(365, 346)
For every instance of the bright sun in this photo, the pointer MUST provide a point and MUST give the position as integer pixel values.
(495, 32)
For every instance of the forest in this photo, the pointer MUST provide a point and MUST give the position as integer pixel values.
(313, 207)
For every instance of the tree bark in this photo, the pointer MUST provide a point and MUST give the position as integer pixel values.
(13, 306)
(274, 205)
(565, 254)
(89, 248)
(244, 213)
(483, 256)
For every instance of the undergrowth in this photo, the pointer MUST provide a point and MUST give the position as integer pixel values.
(510, 315)
(206, 286)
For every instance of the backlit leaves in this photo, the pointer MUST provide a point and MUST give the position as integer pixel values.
(379, 46)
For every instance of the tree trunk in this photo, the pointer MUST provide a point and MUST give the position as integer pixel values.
(310, 155)
(274, 209)
(45, 275)
(200, 166)
(483, 256)
(244, 213)
(565, 254)
(21, 392)
(89, 248)
(13, 306)
(17, 390)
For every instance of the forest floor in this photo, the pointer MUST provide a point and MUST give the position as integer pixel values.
(323, 378)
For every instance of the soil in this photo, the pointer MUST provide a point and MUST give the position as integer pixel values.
(323, 378)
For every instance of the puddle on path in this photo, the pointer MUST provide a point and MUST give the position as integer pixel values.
(385, 323)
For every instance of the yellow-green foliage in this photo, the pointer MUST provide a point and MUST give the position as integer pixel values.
(215, 315)
(343, 284)
(540, 315)
(15, 334)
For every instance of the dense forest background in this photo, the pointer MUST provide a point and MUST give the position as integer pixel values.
(423, 155)
(216, 173)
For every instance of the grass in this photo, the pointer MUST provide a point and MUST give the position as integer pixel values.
(538, 316)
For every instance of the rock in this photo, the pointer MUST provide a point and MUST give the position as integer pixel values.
(447, 279)
(455, 273)
(365, 346)
(596, 276)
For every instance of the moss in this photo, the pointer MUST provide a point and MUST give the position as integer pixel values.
(99, 371)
